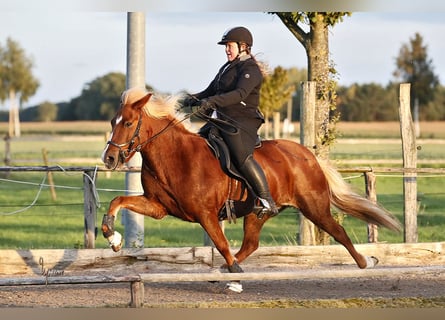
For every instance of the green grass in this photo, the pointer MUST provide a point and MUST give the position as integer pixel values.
(385, 150)
(59, 223)
(63, 150)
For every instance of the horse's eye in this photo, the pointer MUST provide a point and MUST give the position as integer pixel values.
(128, 124)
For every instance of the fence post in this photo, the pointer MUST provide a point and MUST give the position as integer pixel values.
(371, 194)
(307, 138)
(137, 294)
(7, 159)
(50, 175)
(409, 162)
(90, 212)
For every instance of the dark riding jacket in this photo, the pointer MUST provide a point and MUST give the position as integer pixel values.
(235, 91)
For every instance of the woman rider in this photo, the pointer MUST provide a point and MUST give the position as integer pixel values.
(233, 96)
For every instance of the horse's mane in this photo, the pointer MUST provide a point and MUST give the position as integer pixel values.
(158, 106)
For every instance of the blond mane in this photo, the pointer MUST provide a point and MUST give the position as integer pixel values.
(159, 106)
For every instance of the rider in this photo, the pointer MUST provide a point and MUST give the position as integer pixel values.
(234, 96)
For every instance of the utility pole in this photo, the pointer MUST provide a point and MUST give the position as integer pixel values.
(132, 221)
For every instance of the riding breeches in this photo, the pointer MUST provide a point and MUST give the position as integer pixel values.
(241, 142)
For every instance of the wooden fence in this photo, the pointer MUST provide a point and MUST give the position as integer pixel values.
(90, 214)
(308, 138)
(137, 281)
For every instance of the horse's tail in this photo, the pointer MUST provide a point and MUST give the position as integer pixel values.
(345, 199)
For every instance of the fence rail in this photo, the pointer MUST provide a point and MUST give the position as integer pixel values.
(175, 265)
(361, 169)
(137, 281)
(90, 213)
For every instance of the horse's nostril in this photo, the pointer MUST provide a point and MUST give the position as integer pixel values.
(109, 161)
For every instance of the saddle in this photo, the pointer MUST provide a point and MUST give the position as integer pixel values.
(241, 200)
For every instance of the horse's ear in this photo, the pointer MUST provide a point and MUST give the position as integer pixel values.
(143, 101)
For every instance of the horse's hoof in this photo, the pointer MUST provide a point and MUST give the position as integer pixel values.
(235, 268)
(115, 241)
(371, 262)
(116, 248)
(223, 268)
(234, 286)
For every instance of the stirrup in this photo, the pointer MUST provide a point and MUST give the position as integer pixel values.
(265, 208)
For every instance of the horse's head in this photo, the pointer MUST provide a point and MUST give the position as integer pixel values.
(126, 126)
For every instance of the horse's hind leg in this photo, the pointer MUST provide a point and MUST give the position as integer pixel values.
(319, 213)
(252, 229)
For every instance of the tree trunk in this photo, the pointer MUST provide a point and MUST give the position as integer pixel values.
(14, 121)
(318, 71)
(276, 125)
(266, 126)
(316, 44)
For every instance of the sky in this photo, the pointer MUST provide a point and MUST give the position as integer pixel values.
(70, 48)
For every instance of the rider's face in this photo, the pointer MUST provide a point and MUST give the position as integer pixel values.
(231, 50)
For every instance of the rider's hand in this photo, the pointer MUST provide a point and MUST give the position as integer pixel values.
(205, 106)
(190, 101)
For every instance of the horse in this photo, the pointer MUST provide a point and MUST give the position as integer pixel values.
(182, 177)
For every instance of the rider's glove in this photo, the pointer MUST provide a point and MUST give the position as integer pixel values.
(190, 101)
(205, 106)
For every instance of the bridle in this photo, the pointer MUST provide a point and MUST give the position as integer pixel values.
(127, 153)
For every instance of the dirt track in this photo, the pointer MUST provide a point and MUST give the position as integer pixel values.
(282, 293)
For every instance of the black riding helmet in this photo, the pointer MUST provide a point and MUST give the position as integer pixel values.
(238, 35)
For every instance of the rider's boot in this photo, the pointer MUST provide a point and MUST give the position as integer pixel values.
(254, 174)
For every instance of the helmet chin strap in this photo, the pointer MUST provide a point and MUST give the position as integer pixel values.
(241, 51)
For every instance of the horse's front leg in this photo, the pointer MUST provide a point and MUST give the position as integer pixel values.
(140, 204)
(213, 228)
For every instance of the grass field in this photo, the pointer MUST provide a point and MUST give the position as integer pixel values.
(59, 223)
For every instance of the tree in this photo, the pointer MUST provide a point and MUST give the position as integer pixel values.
(275, 91)
(414, 66)
(435, 110)
(296, 77)
(316, 43)
(367, 102)
(100, 98)
(17, 81)
(46, 111)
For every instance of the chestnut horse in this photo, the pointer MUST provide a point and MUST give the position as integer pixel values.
(182, 177)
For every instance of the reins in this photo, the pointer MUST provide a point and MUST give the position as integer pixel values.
(125, 154)
(222, 124)
(219, 123)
